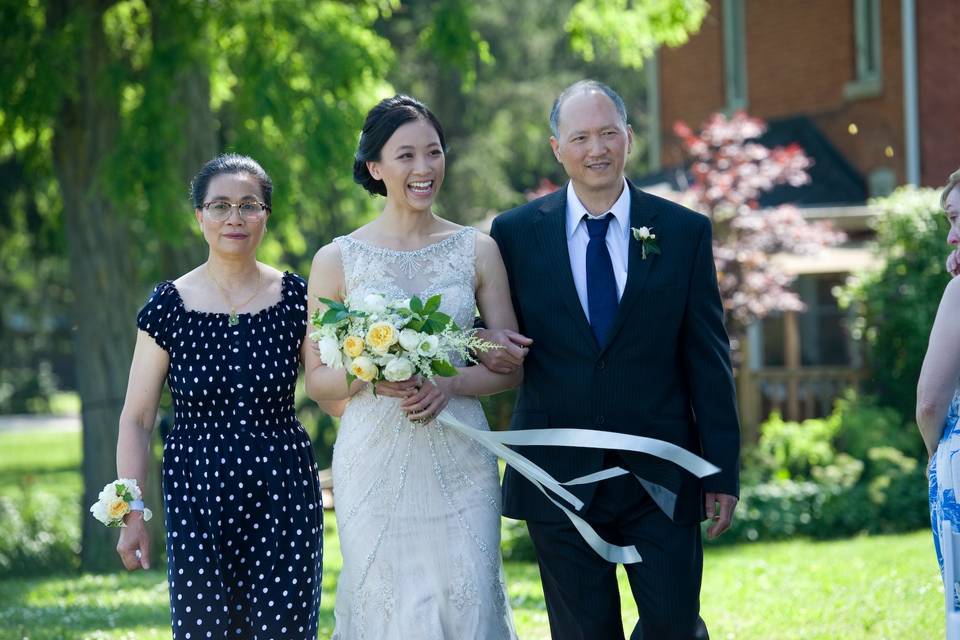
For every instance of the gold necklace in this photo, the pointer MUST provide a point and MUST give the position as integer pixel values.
(234, 320)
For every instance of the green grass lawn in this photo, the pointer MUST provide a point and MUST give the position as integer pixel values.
(870, 587)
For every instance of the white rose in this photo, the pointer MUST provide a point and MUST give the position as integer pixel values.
(374, 303)
(409, 339)
(384, 359)
(643, 233)
(398, 369)
(108, 493)
(427, 347)
(99, 511)
(330, 353)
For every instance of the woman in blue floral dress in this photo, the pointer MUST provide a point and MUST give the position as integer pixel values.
(938, 410)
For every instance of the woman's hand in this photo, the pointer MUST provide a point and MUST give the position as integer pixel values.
(429, 400)
(953, 263)
(133, 539)
(403, 389)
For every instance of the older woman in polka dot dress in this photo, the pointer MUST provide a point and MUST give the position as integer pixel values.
(242, 499)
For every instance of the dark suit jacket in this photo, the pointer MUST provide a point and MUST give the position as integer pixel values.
(665, 372)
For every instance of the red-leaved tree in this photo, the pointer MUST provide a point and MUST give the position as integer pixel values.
(729, 172)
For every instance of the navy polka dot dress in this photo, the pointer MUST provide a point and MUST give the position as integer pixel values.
(243, 513)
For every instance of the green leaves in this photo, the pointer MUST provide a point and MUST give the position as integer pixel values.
(336, 312)
(443, 368)
(426, 317)
(632, 30)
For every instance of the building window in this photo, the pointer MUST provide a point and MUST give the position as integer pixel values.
(866, 39)
(735, 54)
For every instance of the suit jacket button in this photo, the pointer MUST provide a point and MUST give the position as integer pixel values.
(601, 364)
(600, 419)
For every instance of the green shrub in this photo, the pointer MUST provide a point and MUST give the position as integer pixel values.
(776, 510)
(790, 450)
(860, 470)
(864, 424)
(896, 304)
(39, 533)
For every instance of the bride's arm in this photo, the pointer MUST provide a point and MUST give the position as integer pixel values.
(328, 387)
(496, 309)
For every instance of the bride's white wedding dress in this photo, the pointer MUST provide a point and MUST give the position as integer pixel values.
(417, 506)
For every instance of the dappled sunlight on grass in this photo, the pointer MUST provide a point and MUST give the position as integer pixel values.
(881, 587)
(878, 587)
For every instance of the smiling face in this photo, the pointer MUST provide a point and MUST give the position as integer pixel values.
(592, 142)
(952, 209)
(411, 165)
(233, 236)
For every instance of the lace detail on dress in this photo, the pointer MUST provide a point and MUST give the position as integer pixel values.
(445, 267)
(418, 507)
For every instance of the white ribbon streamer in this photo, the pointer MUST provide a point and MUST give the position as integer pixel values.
(496, 441)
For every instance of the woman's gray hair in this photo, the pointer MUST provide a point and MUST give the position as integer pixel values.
(584, 86)
(952, 182)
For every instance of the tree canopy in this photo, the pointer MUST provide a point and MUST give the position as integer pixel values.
(108, 107)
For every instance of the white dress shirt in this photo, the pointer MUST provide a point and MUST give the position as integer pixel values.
(618, 241)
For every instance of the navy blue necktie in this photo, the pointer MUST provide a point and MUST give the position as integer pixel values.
(602, 299)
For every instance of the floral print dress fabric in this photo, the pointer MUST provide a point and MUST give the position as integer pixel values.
(944, 476)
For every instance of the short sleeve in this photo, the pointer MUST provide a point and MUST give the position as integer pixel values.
(295, 294)
(155, 318)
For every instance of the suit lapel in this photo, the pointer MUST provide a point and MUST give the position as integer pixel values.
(551, 233)
(641, 215)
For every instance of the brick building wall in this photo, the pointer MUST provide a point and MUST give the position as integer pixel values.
(800, 55)
(938, 58)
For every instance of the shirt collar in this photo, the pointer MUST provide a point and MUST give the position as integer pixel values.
(576, 210)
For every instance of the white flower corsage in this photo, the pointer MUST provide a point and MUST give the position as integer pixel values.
(647, 240)
(117, 499)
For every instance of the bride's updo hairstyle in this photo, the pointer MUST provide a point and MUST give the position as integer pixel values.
(385, 118)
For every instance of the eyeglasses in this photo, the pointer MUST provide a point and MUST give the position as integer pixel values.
(249, 210)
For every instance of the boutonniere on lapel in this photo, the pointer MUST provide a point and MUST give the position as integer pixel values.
(647, 240)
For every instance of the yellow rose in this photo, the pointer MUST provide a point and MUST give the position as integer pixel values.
(364, 368)
(353, 346)
(381, 336)
(117, 508)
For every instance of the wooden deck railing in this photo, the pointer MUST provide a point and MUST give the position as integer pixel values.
(798, 394)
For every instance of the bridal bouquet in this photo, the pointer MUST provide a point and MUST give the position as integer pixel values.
(381, 339)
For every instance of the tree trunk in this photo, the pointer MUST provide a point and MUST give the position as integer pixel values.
(189, 101)
(100, 262)
(189, 106)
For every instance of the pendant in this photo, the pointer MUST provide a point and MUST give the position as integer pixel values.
(233, 320)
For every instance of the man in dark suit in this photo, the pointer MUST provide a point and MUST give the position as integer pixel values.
(627, 336)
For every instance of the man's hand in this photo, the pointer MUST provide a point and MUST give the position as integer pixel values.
(953, 263)
(720, 507)
(507, 359)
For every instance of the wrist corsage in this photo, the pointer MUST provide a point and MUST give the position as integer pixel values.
(117, 499)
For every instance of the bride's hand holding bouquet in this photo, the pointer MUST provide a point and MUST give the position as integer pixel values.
(403, 347)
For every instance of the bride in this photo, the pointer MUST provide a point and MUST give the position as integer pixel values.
(418, 506)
